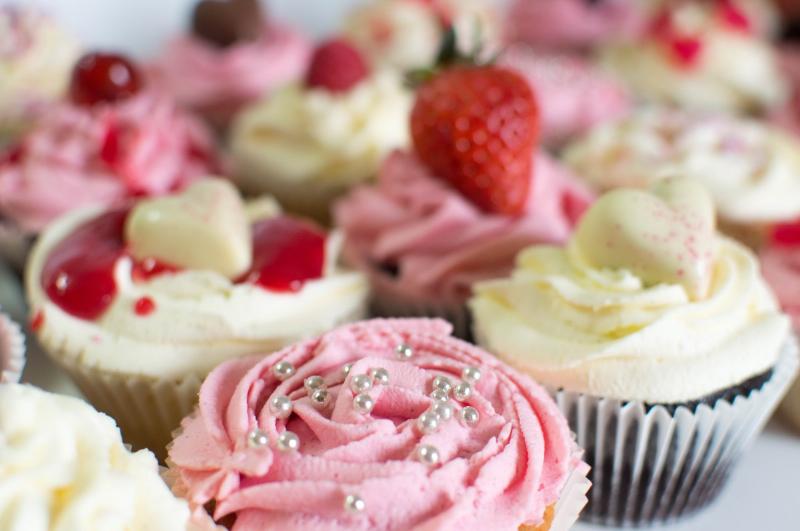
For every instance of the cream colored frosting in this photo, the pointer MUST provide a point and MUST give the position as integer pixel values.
(636, 332)
(201, 318)
(308, 137)
(735, 70)
(751, 170)
(64, 468)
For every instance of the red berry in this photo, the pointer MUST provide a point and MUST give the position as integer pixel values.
(103, 78)
(786, 234)
(336, 66)
(477, 128)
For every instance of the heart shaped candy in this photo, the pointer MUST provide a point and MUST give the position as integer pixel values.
(665, 235)
(204, 227)
(226, 22)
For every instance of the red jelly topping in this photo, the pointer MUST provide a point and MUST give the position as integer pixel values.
(786, 234)
(733, 16)
(38, 321)
(144, 306)
(100, 77)
(687, 50)
(149, 268)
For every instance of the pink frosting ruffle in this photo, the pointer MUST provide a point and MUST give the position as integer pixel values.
(438, 241)
(497, 474)
(573, 23)
(221, 80)
(79, 156)
(573, 95)
(781, 268)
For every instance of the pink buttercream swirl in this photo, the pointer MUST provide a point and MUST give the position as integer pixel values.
(99, 155)
(781, 267)
(221, 80)
(439, 242)
(495, 474)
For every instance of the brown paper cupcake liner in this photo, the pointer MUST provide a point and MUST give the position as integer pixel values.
(12, 350)
(655, 464)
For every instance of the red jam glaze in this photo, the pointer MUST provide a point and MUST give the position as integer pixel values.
(37, 322)
(685, 49)
(733, 16)
(786, 234)
(78, 275)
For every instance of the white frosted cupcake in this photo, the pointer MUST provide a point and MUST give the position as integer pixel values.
(12, 350)
(751, 169)
(64, 466)
(139, 304)
(701, 55)
(663, 344)
(307, 144)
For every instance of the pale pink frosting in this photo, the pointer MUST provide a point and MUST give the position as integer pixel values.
(573, 23)
(439, 241)
(573, 95)
(222, 80)
(80, 156)
(781, 268)
(497, 474)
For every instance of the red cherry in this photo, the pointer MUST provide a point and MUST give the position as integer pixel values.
(102, 77)
(336, 66)
(786, 234)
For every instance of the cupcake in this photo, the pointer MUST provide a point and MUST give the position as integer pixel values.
(309, 143)
(113, 139)
(233, 56)
(138, 303)
(751, 170)
(407, 34)
(573, 94)
(701, 55)
(455, 210)
(12, 350)
(660, 340)
(36, 57)
(64, 466)
(358, 430)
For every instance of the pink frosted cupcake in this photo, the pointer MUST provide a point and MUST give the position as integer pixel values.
(234, 56)
(12, 350)
(114, 139)
(573, 95)
(389, 425)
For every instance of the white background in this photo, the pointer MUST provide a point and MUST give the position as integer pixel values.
(764, 494)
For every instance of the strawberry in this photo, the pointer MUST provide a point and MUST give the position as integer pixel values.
(477, 127)
(337, 66)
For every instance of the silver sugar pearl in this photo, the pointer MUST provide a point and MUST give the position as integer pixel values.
(257, 439)
(280, 406)
(443, 410)
(462, 391)
(346, 369)
(427, 454)
(288, 442)
(283, 370)
(442, 383)
(469, 415)
(353, 503)
(471, 374)
(360, 383)
(320, 398)
(312, 383)
(428, 422)
(363, 403)
(379, 376)
(404, 351)
(439, 395)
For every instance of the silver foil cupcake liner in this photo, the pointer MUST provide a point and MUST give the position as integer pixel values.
(654, 463)
(12, 350)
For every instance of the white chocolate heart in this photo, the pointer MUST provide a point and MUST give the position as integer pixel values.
(665, 235)
(204, 227)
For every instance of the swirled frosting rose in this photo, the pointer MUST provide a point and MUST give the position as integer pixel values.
(751, 170)
(64, 467)
(381, 424)
(80, 156)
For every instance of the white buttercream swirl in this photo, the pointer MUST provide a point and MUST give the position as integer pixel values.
(606, 333)
(64, 468)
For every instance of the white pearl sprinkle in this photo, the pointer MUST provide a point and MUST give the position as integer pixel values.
(471, 374)
(288, 442)
(283, 370)
(281, 406)
(312, 383)
(428, 422)
(354, 503)
(363, 403)
(379, 376)
(360, 383)
(427, 454)
(469, 415)
(320, 398)
(404, 351)
(442, 383)
(462, 391)
(346, 369)
(443, 410)
(439, 395)
(257, 438)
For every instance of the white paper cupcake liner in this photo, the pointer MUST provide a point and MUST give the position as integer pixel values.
(12, 350)
(14, 245)
(651, 464)
(572, 500)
